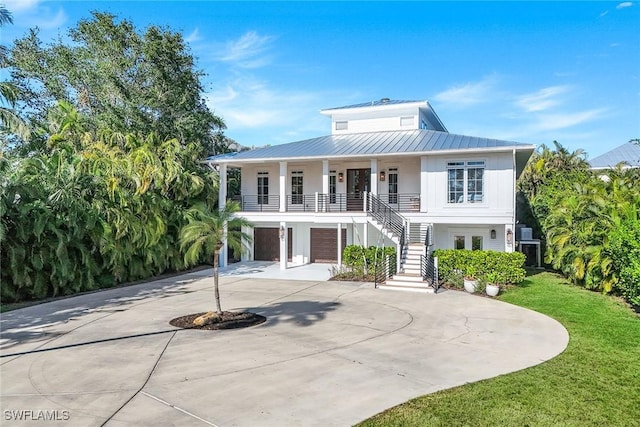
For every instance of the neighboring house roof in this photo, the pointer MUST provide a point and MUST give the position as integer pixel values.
(628, 153)
(372, 143)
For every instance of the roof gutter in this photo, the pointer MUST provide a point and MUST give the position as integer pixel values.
(368, 156)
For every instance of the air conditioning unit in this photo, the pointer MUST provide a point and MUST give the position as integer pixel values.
(526, 234)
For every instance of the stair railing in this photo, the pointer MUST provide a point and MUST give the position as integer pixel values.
(391, 220)
(429, 263)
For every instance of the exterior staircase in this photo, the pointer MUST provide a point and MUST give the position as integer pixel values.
(410, 276)
(411, 240)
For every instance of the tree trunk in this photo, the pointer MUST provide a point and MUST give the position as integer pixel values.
(216, 291)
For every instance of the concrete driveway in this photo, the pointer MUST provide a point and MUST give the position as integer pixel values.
(330, 353)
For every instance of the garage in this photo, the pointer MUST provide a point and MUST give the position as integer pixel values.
(266, 244)
(324, 244)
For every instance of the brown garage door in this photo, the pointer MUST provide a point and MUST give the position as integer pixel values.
(266, 244)
(324, 244)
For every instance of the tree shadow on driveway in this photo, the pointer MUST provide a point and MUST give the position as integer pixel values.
(298, 313)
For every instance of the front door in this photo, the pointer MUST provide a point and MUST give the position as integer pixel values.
(358, 181)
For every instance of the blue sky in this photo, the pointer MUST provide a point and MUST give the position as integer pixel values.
(531, 72)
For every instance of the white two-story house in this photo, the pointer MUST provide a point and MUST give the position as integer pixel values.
(388, 171)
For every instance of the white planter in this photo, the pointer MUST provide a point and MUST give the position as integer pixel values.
(492, 290)
(470, 285)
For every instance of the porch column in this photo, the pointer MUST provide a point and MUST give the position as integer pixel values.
(374, 177)
(248, 254)
(339, 244)
(283, 186)
(423, 183)
(325, 177)
(284, 236)
(222, 203)
(366, 234)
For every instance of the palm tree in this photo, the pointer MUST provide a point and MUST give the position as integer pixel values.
(206, 231)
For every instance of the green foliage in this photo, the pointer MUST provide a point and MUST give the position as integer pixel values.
(10, 122)
(95, 210)
(359, 256)
(128, 81)
(580, 212)
(624, 249)
(362, 261)
(505, 267)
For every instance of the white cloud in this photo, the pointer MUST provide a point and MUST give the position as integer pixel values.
(247, 51)
(624, 4)
(605, 13)
(565, 120)
(247, 104)
(542, 99)
(35, 13)
(468, 94)
(20, 6)
(193, 37)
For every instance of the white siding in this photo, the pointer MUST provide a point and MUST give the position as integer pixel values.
(380, 119)
(497, 205)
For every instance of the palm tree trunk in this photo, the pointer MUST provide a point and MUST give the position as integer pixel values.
(216, 291)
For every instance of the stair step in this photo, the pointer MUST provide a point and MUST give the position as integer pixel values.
(407, 277)
(407, 287)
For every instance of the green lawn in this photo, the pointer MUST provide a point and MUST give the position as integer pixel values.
(595, 382)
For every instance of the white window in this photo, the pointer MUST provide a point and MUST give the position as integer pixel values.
(343, 125)
(296, 188)
(263, 188)
(465, 182)
(407, 121)
(468, 241)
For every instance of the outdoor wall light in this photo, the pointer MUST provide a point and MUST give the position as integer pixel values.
(383, 175)
(493, 234)
(281, 232)
(340, 177)
(509, 236)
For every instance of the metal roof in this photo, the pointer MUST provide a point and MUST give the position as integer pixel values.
(383, 101)
(628, 153)
(370, 144)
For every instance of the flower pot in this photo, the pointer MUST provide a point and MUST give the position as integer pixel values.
(492, 290)
(470, 285)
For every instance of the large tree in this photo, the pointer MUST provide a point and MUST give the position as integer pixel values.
(10, 121)
(120, 78)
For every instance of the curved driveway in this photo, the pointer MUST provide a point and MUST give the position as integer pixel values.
(330, 353)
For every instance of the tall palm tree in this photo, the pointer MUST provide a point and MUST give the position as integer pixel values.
(206, 231)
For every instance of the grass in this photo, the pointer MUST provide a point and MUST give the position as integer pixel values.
(594, 382)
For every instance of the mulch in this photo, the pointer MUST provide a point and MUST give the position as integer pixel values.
(228, 320)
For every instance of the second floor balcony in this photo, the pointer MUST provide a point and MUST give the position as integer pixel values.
(321, 203)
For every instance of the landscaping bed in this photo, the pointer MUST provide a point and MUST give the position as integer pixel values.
(227, 320)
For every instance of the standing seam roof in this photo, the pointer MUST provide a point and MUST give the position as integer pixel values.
(373, 143)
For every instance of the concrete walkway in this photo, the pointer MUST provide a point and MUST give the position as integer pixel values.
(330, 353)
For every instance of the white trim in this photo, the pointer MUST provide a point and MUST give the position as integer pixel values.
(461, 152)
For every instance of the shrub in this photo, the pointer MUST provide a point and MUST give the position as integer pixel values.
(361, 260)
(624, 248)
(453, 264)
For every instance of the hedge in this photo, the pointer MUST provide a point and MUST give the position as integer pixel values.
(355, 256)
(506, 266)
